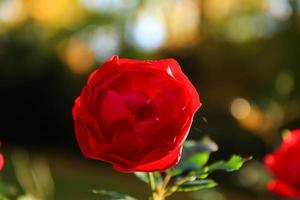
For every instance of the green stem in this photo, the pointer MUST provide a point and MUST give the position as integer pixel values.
(174, 188)
(152, 184)
(158, 190)
(166, 181)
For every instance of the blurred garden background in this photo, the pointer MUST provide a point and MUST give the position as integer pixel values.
(242, 55)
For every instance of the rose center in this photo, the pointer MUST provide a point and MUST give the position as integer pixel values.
(140, 105)
(146, 112)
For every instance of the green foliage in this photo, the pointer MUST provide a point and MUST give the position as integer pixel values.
(144, 177)
(7, 190)
(192, 173)
(27, 197)
(111, 195)
(2, 197)
(195, 161)
(234, 163)
(195, 155)
(197, 185)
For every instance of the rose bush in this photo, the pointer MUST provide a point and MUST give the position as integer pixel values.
(135, 114)
(285, 166)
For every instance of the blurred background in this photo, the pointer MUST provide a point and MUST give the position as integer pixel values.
(242, 55)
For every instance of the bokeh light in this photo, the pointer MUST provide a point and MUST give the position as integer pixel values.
(109, 5)
(240, 108)
(183, 23)
(77, 56)
(54, 14)
(10, 10)
(148, 31)
(104, 41)
(280, 9)
(248, 116)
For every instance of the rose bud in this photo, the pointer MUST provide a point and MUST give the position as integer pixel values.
(135, 114)
(284, 164)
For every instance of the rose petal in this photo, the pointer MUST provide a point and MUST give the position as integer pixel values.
(113, 108)
(170, 101)
(104, 72)
(286, 159)
(183, 79)
(144, 82)
(171, 159)
(135, 101)
(1, 161)
(280, 188)
(89, 146)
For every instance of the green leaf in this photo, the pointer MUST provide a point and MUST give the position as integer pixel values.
(196, 154)
(175, 171)
(111, 195)
(144, 177)
(202, 175)
(198, 160)
(192, 147)
(197, 185)
(234, 163)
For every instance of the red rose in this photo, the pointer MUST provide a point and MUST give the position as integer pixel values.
(135, 114)
(1, 161)
(285, 166)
